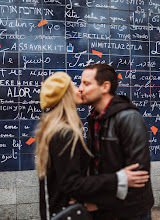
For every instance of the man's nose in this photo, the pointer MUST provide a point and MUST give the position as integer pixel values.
(80, 88)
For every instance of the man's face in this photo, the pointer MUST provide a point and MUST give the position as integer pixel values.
(90, 90)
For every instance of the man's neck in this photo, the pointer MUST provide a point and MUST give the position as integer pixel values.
(100, 106)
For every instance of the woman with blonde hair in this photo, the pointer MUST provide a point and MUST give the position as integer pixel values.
(62, 155)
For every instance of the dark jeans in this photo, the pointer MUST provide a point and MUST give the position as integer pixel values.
(146, 216)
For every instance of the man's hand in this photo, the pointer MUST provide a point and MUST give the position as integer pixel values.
(137, 178)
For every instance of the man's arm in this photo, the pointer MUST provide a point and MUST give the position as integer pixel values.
(127, 177)
(133, 136)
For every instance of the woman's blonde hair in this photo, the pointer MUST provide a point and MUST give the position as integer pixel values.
(62, 118)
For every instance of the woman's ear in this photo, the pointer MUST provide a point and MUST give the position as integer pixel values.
(106, 86)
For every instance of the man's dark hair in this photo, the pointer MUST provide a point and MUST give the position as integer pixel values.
(104, 73)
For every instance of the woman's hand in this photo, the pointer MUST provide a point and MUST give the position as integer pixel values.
(72, 201)
(91, 207)
(136, 178)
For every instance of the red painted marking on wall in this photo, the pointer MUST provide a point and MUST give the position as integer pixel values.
(120, 76)
(99, 54)
(43, 22)
(154, 129)
(30, 141)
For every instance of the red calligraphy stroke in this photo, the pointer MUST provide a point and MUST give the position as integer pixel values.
(43, 22)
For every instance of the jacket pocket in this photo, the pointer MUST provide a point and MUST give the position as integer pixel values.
(114, 139)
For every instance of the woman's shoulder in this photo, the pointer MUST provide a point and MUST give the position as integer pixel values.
(62, 142)
(60, 139)
(62, 135)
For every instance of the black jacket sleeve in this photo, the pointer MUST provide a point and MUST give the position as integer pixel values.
(133, 136)
(70, 179)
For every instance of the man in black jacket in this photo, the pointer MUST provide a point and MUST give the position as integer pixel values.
(118, 137)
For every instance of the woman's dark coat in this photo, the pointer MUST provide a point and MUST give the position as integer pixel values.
(67, 178)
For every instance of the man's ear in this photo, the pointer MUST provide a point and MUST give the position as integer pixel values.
(106, 86)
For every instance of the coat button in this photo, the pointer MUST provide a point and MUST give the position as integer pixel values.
(78, 212)
(69, 218)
